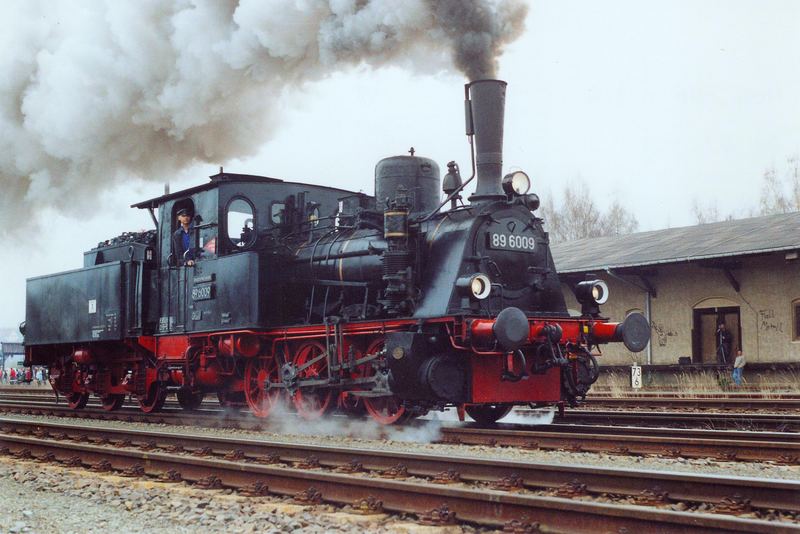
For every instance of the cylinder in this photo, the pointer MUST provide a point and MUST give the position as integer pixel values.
(488, 100)
(355, 258)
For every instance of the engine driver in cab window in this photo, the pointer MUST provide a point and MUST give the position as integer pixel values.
(182, 239)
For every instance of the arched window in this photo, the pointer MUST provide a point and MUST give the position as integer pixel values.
(796, 320)
(241, 223)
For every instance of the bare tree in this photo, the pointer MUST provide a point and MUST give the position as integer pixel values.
(781, 195)
(705, 214)
(618, 221)
(577, 216)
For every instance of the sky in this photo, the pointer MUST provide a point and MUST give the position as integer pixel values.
(656, 104)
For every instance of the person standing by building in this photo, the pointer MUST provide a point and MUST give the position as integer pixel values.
(13, 375)
(738, 368)
(724, 340)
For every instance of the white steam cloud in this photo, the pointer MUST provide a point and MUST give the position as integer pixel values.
(93, 93)
(284, 420)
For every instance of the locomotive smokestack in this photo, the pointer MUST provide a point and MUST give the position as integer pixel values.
(485, 111)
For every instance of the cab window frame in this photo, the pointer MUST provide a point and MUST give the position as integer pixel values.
(272, 220)
(233, 245)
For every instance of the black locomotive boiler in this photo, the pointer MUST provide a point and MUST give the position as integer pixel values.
(394, 304)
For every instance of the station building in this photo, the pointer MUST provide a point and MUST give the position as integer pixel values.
(686, 280)
(11, 354)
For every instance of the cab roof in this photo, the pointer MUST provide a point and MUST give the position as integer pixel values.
(223, 177)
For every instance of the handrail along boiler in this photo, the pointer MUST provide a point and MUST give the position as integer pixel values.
(395, 304)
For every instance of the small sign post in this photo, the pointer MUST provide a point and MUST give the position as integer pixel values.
(636, 376)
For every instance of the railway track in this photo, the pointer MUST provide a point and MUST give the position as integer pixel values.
(685, 443)
(697, 403)
(779, 422)
(716, 444)
(674, 397)
(638, 403)
(487, 492)
(784, 422)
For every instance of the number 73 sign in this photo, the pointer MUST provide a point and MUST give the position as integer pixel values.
(636, 377)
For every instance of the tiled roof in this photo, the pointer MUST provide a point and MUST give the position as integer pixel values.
(8, 348)
(741, 237)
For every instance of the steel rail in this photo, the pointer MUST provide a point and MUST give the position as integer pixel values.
(783, 422)
(686, 443)
(599, 393)
(696, 403)
(659, 431)
(692, 487)
(479, 505)
(595, 394)
(721, 445)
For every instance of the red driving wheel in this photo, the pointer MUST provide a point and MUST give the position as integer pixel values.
(312, 402)
(347, 402)
(387, 410)
(112, 401)
(76, 401)
(257, 373)
(154, 400)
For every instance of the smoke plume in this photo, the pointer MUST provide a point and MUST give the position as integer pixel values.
(94, 93)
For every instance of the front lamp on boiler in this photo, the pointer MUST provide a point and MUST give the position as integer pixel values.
(476, 286)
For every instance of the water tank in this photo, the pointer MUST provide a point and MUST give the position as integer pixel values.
(419, 177)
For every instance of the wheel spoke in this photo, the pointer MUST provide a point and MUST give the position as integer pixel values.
(112, 402)
(154, 400)
(311, 362)
(258, 372)
(385, 410)
(77, 401)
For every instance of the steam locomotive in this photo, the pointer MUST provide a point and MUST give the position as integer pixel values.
(393, 304)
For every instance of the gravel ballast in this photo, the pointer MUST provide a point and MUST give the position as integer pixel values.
(52, 499)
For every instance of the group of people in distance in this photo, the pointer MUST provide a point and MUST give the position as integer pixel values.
(23, 376)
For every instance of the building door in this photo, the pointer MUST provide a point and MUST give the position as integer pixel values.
(705, 331)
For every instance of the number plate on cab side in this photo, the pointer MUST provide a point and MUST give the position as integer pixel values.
(509, 241)
(204, 292)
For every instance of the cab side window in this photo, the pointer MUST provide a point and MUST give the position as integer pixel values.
(277, 213)
(240, 222)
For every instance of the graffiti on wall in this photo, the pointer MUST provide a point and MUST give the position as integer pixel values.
(768, 322)
(662, 333)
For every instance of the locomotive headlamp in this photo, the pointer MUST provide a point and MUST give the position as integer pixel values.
(478, 285)
(592, 292)
(516, 183)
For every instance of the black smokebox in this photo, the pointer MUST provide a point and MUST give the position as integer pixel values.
(485, 109)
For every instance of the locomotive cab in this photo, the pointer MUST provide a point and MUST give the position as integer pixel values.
(237, 277)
